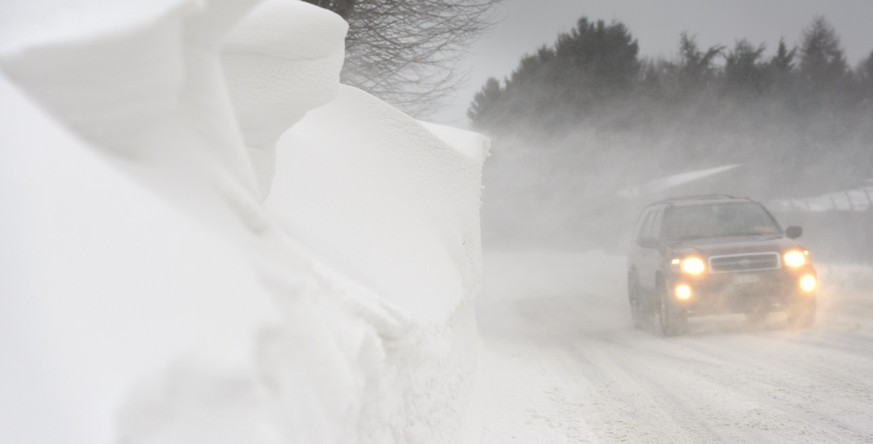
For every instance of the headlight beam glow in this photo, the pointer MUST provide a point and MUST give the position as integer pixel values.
(683, 292)
(808, 283)
(693, 265)
(794, 259)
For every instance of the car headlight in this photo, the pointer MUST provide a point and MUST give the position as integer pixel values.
(794, 259)
(692, 265)
(808, 283)
(683, 292)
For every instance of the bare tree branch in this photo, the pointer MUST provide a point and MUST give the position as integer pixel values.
(407, 52)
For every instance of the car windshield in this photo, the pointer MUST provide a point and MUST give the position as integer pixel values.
(717, 220)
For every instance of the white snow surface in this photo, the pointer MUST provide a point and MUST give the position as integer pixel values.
(405, 204)
(25, 25)
(149, 296)
(402, 223)
(103, 285)
(565, 364)
(273, 83)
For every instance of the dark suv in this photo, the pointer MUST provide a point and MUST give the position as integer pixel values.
(717, 254)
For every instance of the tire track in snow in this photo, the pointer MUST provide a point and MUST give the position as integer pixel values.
(565, 317)
(803, 382)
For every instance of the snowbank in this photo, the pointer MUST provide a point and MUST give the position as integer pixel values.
(273, 83)
(150, 296)
(402, 221)
(403, 212)
(104, 284)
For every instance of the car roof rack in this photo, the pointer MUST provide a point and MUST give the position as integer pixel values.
(690, 197)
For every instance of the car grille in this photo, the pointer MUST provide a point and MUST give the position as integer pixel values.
(744, 262)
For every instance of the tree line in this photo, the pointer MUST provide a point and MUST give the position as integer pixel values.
(794, 102)
(596, 64)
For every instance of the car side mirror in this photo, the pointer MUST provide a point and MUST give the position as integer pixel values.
(793, 232)
(648, 242)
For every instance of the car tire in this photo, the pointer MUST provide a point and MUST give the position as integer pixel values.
(801, 314)
(638, 312)
(672, 321)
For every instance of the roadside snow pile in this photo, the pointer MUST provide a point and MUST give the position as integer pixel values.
(402, 222)
(274, 83)
(403, 215)
(104, 286)
(150, 296)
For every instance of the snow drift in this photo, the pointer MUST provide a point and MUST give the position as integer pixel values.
(403, 214)
(150, 296)
(402, 222)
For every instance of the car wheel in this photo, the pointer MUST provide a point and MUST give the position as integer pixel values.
(672, 321)
(638, 313)
(801, 314)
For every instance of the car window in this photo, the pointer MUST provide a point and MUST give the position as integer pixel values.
(656, 225)
(645, 228)
(717, 220)
(641, 225)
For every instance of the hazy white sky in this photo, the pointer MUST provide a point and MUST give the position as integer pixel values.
(528, 24)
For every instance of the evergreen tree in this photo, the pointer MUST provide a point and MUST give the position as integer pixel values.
(865, 77)
(488, 107)
(781, 70)
(744, 72)
(822, 61)
(696, 68)
(797, 108)
(602, 59)
(782, 63)
(586, 68)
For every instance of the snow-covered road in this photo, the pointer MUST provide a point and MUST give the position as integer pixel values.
(564, 364)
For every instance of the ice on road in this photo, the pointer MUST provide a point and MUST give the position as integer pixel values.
(565, 365)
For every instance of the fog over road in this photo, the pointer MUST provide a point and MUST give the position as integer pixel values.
(564, 364)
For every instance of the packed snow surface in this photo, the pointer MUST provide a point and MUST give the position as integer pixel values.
(565, 365)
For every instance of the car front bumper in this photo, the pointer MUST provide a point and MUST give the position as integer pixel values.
(742, 292)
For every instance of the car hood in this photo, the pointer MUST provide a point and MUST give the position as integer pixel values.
(735, 245)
